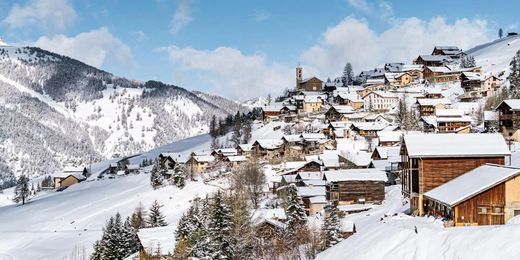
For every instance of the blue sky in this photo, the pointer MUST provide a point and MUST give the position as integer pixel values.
(242, 49)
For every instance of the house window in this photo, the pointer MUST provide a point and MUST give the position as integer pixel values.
(516, 212)
(498, 210)
(482, 210)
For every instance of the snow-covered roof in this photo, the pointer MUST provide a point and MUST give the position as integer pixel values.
(474, 76)
(440, 69)
(435, 58)
(312, 99)
(466, 119)
(514, 104)
(269, 143)
(292, 138)
(318, 200)
(313, 136)
(310, 175)
(314, 182)
(472, 183)
(389, 136)
(449, 112)
(133, 167)
(355, 175)
(385, 151)
(490, 115)
(204, 158)
(343, 109)
(311, 191)
(237, 158)
(370, 126)
(455, 145)
(246, 147)
(153, 238)
(71, 169)
(261, 214)
(384, 94)
(433, 101)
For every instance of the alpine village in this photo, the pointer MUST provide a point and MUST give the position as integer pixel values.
(392, 158)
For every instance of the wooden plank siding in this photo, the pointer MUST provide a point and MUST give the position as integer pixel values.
(437, 171)
(347, 192)
(470, 212)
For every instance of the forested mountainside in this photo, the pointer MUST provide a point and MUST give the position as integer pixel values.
(56, 110)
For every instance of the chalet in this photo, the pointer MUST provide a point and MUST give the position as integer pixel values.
(309, 179)
(199, 163)
(301, 166)
(472, 83)
(311, 84)
(398, 79)
(311, 104)
(244, 149)
(371, 118)
(293, 146)
(221, 154)
(447, 121)
(357, 160)
(352, 100)
(394, 67)
(69, 180)
(377, 73)
(389, 138)
(355, 186)
(168, 160)
(487, 195)
(509, 118)
(132, 169)
(154, 240)
(491, 121)
(277, 110)
(432, 60)
(416, 71)
(428, 106)
(331, 86)
(313, 198)
(369, 129)
(235, 161)
(450, 51)
(430, 160)
(388, 159)
(338, 113)
(491, 85)
(72, 174)
(380, 101)
(267, 149)
(433, 93)
(440, 74)
(313, 143)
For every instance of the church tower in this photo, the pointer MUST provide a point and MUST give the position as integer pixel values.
(299, 76)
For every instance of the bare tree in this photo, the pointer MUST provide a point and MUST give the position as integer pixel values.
(249, 179)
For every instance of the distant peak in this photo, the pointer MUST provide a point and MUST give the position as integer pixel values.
(3, 43)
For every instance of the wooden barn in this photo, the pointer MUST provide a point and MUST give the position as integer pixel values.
(355, 186)
(430, 160)
(487, 195)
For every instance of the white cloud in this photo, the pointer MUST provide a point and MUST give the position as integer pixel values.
(95, 48)
(353, 40)
(386, 10)
(231, 73)
(181, 17)
(50, 15)
(262, 15)
(361, 5)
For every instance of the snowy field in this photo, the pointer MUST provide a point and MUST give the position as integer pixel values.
(386, 233)
(52, 224)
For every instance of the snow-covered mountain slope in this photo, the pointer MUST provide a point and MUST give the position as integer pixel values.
(58, 110)
(255, 102)
(224, 103)
(495, 56)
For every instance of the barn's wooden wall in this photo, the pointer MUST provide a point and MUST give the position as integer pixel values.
(351, 191)
(494, 197)
(437, 171)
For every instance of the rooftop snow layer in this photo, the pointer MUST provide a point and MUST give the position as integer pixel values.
(455, 145)
(471, 183)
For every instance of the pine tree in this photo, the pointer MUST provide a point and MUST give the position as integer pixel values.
(248, 128)
(156, 175)
(97, 254)
(237, 135)
(129, 238)
(213, 131)
(179, 175)
(21, 191)
(137, 219)
(514, 75)
(155, 216)
(331, 226)
(294, 211)
(348, 75)
(500, 33)
(220, 227)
